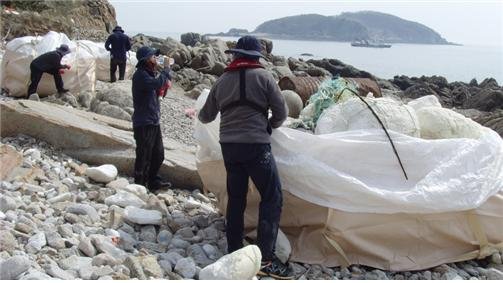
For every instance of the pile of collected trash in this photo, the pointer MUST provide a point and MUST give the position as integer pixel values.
(89, 61)
(358, 206)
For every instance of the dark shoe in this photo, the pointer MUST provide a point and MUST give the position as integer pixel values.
(157, 185)
(276, 269)
(63, 90)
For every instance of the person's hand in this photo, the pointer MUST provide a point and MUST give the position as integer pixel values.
(191, 113)
(67, 67)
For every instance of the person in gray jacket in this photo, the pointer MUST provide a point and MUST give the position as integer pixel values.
(243, 95)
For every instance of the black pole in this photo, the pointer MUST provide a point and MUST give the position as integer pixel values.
(384, 128)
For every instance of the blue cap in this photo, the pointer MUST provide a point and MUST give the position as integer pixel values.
(247, 45)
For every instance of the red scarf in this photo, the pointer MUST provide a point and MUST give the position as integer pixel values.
(243, 63)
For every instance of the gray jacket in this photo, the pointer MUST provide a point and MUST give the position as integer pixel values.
(243, 124)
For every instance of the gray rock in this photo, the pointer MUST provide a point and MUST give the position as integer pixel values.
(118, 184)
(65, 230)
(127, 242)
(101, 271)
(179, 243)
(22, 227)
(12, 267)
(153, 247)
(57, 272)
(135, 267)
(36, 242)
(496, 258)
(104, 259)
(171, 257)
(148, 233)
(105, 245)
(185, 233)
(494, 274)
(75, 262)
(150, 267)
(211, 252)
(35, 275)
(54, 240)
(197, 253)
(84, 209)
(124, 199)
(186, 267)
(142, 216)
(86, 272)
(166, 265)
(9, 242)
(87, 247)
(61, 198)
(164, 237)
(376, 274)
(211, 234)
(7, 203)
(451, 275)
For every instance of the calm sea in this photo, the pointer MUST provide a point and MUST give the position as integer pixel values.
(456, 63)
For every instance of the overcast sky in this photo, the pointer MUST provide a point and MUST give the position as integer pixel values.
(466, 22)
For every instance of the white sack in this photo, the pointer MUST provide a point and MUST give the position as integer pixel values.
(442, 123)
(356, 171)
(103, 60)
(21, 51)
(424, 101)
(353, 114)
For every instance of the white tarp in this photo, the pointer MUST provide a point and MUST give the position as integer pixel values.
(356, 171)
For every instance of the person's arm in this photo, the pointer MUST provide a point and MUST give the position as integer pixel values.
(151, 83)
(277, 104)
(128, 43)
(210, 109)
(108, 42)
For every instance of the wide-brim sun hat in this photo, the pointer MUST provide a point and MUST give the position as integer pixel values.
(145, 52)
(118, 28)
(247, 45)
(64, 49)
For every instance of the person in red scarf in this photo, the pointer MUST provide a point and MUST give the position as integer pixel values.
(243, 95)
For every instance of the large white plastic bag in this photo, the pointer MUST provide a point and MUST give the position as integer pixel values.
(21, 51)
(353, 114)
(442, 123)
(356, 171)
(103, 60)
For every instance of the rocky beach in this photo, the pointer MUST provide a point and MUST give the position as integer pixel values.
(64, 214)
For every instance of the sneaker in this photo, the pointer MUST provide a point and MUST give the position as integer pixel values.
(276, 269)
(63, 90)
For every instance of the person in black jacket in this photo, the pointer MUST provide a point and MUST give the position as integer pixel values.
(49, 62)
(118, 44)
(146, 117)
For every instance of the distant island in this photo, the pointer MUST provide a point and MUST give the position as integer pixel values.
(365, 25)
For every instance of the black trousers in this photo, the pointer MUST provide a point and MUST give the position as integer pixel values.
(36, 75)
(149, 154)
(113, 68)
(256, 161)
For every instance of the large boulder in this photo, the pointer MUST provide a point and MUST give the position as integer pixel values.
(419, 90)
(210, 57)
(486, 100)
(92, 20)
(192, 38)
(338, 68)
(92, 138)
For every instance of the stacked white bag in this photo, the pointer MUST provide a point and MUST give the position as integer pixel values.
(21, 51)
(103, 60)
(89, 61)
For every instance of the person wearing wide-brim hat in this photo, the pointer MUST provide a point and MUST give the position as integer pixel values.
(118, 43)
(49, 62)
(146, 119)
(243, 95)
